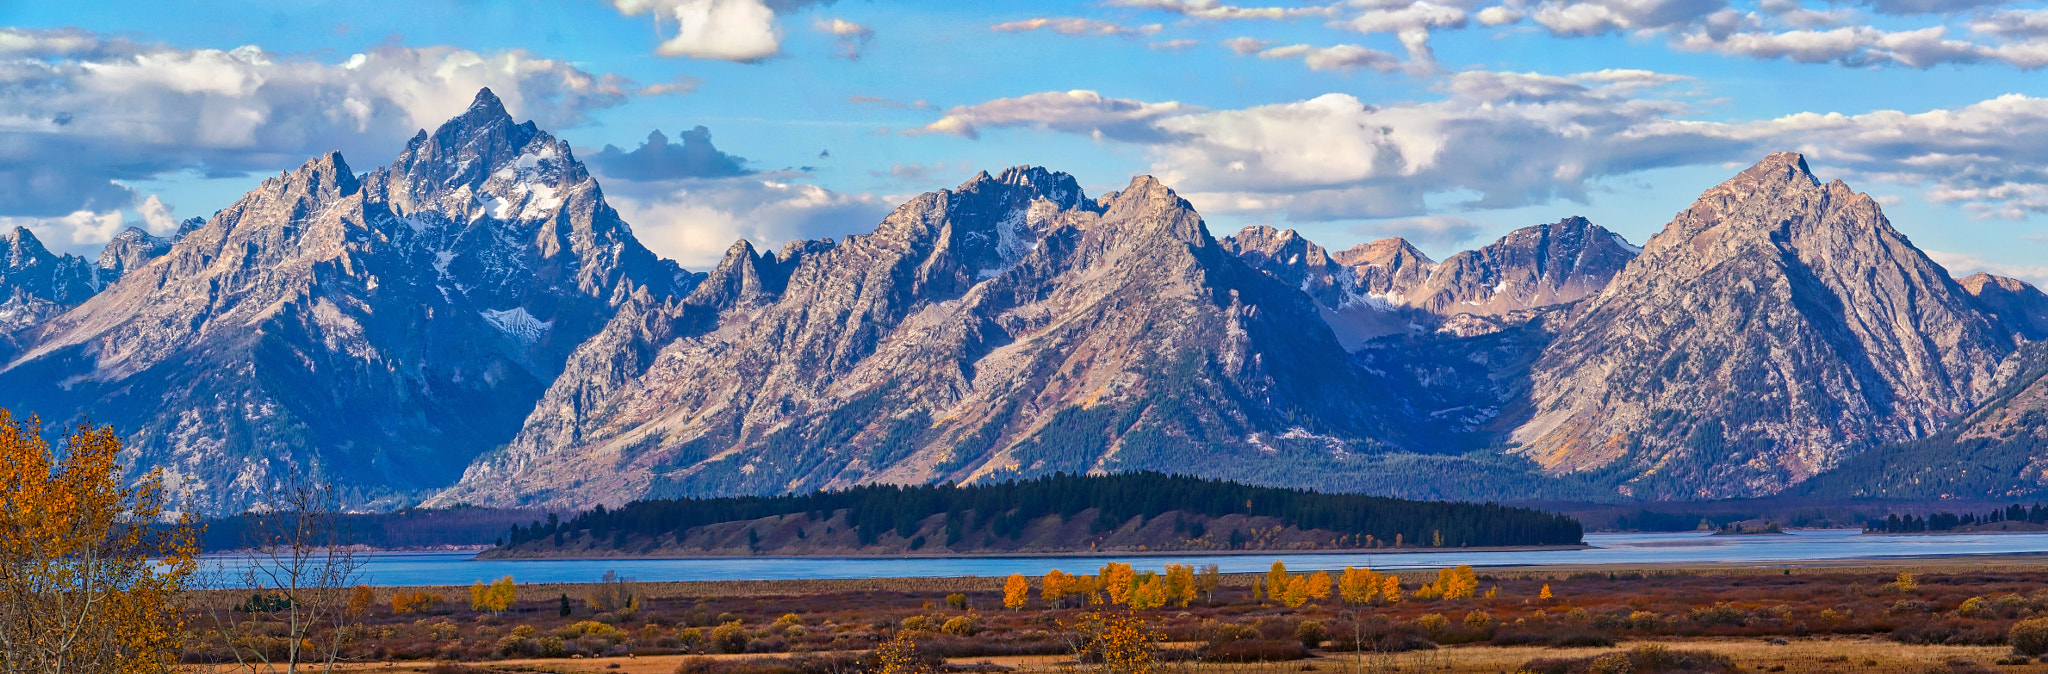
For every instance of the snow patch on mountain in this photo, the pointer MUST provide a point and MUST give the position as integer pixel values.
(518, 324)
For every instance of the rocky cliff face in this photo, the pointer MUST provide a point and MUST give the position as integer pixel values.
(375, 332)
(2022, 307)
(1009, 327)
(1387, 287)
(1772, 329)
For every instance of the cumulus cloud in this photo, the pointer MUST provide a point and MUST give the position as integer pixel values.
(1343, 57)
(853, 38)
(658, 159)
(1960, 265)
(1244, 45)
(1079, 111)
(694, 221)
(1498, 15)
(1866, 46)
(1501, 140)
(76, 232)
(2016, 23)
(1429, 230)
(1913, 7)
(726, 30)
(1215, 9)
(1076, 26)
(84, 114)
(1412, 24)
(1597, 17)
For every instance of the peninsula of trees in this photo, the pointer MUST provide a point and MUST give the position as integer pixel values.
(1140, 511)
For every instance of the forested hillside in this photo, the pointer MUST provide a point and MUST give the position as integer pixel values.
(1143, 510)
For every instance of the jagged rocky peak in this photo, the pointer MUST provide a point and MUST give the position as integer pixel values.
(2021, 306)
(1388, 252)
(1531, 267)
(128, 250)
(438, 295)
(30, 270)
(1773, 328)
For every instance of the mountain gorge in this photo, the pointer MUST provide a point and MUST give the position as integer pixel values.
(473, 324)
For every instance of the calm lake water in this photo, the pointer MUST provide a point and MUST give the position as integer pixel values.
(442, 568)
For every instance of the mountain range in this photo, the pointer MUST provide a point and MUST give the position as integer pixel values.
(473, 324)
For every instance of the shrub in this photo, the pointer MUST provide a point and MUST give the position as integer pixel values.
(729, 638)
(957, 601)
(1311, 633)
(960, 626)
(918, 623)
(1254, 650)
(1640, 660)
(2029, 637)
(414, 602)
(789, 619)
(1433, 624)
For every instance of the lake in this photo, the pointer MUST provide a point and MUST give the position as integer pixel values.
(445, 568)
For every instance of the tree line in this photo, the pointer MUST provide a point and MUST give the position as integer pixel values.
(1944, 521)
(1007, 508)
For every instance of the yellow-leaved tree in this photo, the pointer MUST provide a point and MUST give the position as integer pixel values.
(495, 597)
(1053, 587)
(1358, 586)
(1180, 584)
(1117, 580)
(1016, 591)
(89, 570)
(1276, 580)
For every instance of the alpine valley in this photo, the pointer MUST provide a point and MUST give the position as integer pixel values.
(473, 324)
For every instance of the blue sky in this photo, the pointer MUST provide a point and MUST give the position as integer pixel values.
(1446, 121)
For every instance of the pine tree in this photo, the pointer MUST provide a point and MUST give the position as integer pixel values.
(565, 606)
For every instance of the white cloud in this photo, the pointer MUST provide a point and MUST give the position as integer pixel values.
(724, 30)
(1499, 140)
(1411, 24)
(693, 222)
(1498, 15)
(1865, 46)
(1437, 230)
(157, 217)
(853, 38)
(81, 113)
(2020, 23)
(1244, 45)
(1960, 265)
(1595, 17)
(1343, 57)
(1215, 9)
(78, 232)
(1076, 26)
(1079, 111)
(1174, 45)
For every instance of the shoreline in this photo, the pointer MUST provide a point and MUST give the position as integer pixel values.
(1076, 554)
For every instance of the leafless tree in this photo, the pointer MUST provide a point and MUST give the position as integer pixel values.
(298, 571)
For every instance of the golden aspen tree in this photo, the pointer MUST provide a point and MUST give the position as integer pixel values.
(1276, 579)
(1180, 584)
(88, 572)
(500, 595)
(1544, 595)
(479, 597)
(1358, 586)
(1148, 592)
(1117, 579)
(1207, 580)
(1258, 587)
(1319, 585)
(1016, 591)
(1296, 593)
(1390, 588)
(1053, 587)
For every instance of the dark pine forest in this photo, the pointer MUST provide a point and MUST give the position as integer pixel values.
(1006, 508)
